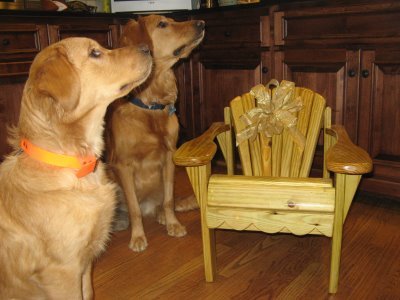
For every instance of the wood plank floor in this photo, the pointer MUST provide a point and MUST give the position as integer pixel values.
(256, 265)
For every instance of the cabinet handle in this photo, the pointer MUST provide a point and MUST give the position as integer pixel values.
(351, 73)
(227, 34)
(365, 73)
(264, 70)
(5, 42)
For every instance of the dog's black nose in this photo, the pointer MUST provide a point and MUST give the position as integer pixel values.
(144, 48)
(200, 25)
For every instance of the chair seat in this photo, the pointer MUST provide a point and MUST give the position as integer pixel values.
(273, 193)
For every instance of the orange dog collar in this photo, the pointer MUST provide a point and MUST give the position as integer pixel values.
(84, 165)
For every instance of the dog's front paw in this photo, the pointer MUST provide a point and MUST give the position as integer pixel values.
(138, 244)
(176, 229)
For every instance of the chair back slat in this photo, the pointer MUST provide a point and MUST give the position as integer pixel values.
(287, 151)
(303, 119)
(313, 132)
(255, 147)
(287, 159)
(277, 144)
(237, 110)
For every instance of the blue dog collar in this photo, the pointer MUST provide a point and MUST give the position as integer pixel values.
(154, 106)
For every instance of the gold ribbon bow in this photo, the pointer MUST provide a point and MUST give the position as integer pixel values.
(273, 113)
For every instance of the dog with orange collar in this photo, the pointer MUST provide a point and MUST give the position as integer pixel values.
(56, 202)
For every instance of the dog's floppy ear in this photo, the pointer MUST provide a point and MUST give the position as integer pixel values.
(135, 33)
(57, 78)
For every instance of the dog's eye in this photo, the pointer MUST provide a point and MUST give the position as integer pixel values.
(162, 24)
(95, 53)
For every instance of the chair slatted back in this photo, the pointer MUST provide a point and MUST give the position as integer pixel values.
(287, 159)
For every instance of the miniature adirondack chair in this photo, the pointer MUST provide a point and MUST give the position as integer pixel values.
(275, 193)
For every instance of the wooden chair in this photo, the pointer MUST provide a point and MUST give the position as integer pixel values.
(275, 194)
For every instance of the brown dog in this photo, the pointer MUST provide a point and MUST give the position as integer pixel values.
(55, 207)
(143, 131)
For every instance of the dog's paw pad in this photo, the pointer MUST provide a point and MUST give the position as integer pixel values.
(138, 244)
(176, 230)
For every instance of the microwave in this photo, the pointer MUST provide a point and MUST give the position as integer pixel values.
(153, 5)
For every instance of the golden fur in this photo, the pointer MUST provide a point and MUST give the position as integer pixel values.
(53, 224)
(142, 141)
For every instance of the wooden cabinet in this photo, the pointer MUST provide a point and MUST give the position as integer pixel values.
(231, 60)
(351, 56)
(348, 51)
(379, 118)
(19, 44)
(322, 70)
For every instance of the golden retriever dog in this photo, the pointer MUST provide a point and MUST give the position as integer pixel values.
(143, 129)
(56, 206)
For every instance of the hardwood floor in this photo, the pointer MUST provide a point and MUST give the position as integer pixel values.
(256, 265)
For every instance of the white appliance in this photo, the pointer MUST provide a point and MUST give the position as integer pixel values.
(153, 5)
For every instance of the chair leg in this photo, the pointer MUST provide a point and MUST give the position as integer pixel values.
(199, 178)
(337, 233)
(209, 253)
(335, 262)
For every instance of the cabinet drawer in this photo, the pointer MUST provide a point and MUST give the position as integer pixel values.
(19, 44)
(240, 31)
(105, 34)
(231, 58)
(15, 39)
(350, 27)
(15, 68)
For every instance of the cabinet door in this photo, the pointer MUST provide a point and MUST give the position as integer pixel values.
(19, 45)
(105, 34)
(221, 79)
(379, 125)
(232, 58)
(333, 73)
(186, 94)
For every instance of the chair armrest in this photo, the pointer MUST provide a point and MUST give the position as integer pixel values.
(201, 150)
(345, 157)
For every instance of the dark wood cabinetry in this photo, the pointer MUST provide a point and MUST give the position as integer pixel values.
(19, 44)
(322, 70)
(348, 51)
(379, 115)
(233, 57)
(350, 54)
